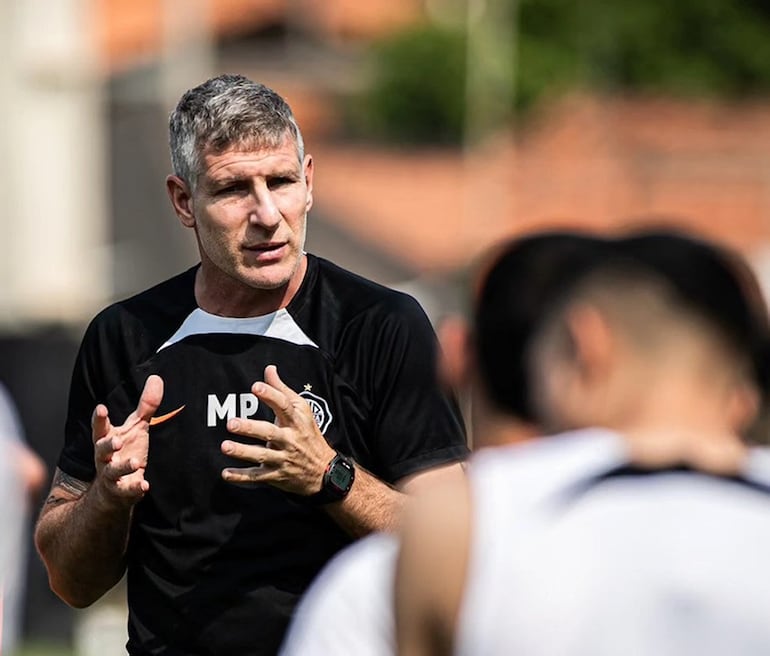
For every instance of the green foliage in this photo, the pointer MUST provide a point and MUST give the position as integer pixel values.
(674, 47)
(713, 47)
(419, 86)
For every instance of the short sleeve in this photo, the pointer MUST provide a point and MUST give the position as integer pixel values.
(86, 391)
(415, 424)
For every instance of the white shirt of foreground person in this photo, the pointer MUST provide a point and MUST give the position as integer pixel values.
(669, 563)
(348, 609)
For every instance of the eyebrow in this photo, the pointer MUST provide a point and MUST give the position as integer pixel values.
(230, 179)
(286, 173)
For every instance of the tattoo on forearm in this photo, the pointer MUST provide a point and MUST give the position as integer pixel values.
(54, 500)
(68, 483)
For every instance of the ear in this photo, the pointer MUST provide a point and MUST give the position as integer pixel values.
(307, 170)
(743, 406)
(454, 363)
(181, 200)
(592, 340)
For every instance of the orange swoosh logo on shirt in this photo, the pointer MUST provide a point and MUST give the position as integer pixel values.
(154, 421)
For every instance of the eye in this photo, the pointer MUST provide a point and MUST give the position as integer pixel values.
(279, 181)
(231, 188)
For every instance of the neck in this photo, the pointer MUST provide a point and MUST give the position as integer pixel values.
(681, 421)
(491, 428)
(220, 294)
(670, 399)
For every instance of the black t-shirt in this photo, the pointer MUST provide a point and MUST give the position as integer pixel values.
(215, 568)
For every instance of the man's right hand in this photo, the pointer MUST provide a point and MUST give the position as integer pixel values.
(121, 451)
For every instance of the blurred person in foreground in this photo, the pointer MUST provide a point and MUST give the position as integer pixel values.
(348, 610)
(23, 479)
(648, 535)
(12, 512)
(221, 497)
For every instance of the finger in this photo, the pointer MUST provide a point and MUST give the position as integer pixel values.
(115, 470)
(278, 402)
(106, 447)
(274, 380)
(259, 455)
(249, 474)
(100, 422)
(133, 486)
(257, 429)
(151, 397)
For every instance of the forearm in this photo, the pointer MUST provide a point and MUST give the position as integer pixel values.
(83, 544)
(371, 505)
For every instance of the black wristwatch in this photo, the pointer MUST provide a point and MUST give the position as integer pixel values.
(337, 481)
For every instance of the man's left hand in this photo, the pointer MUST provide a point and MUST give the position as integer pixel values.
(295, 454)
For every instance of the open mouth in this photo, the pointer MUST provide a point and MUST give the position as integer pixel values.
(270, 251)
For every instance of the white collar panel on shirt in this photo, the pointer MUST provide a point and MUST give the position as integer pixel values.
(278, 325)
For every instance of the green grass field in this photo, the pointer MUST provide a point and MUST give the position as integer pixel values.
(44, 649)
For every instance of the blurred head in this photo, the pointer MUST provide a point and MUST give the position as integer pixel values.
(665, 328)
(243, 183)
(512, 294)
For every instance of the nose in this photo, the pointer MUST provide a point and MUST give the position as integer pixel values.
(264, 213)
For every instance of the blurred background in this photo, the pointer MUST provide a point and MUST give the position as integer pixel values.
(437, 127)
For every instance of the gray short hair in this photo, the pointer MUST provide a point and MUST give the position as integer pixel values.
(227, 111)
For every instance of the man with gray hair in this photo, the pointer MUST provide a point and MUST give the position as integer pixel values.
(219, 496)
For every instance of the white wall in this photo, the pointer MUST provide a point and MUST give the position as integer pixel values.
(54, 256)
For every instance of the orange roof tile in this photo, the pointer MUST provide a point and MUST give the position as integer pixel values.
(596, 163)
(129, 31)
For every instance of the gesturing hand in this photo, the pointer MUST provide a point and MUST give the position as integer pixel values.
(295, 455)
(120, 452)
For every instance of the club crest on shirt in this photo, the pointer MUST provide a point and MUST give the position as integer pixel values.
(319, 406)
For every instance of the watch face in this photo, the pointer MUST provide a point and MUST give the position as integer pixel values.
(340, 476)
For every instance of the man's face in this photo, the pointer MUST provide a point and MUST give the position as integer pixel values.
(249, 211)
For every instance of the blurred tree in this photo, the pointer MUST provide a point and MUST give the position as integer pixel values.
(687, 47)
(713, 47)
(418, 90)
